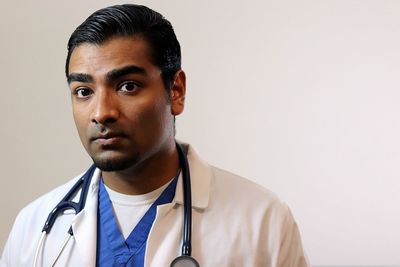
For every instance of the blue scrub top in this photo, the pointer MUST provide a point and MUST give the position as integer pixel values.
(112, 249)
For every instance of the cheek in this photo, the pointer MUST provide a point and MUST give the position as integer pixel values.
(154, 119)
(162, 113)
(79, 120)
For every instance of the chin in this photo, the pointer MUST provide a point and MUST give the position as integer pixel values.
(114, 164)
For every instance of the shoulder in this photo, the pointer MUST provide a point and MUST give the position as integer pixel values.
(37, 211)
(238, 184)
(244, 194)
(29, 222)
(227, 187)
(49, 200)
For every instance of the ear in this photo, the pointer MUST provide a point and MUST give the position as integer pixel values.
(177, 93)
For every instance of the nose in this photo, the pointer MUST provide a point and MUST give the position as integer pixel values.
(106, 108)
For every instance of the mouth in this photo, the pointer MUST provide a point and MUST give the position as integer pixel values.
(107, 139)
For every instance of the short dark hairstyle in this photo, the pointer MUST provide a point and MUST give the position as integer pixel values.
(132, 20)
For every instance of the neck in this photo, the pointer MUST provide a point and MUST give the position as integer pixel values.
(146, 176)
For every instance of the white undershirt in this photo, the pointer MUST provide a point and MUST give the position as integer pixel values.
(129, 209)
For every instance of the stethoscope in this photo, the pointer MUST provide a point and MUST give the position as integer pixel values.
(185, 260)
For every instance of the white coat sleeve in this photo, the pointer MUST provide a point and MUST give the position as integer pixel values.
(7, 251)
(20, 245)
(2, 264)
(291, 252)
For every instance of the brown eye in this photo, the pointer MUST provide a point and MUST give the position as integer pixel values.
(83, 92)
(128, 86)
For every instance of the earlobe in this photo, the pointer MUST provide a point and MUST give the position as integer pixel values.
(178, 91)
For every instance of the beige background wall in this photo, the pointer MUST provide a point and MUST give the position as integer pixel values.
(300, 96)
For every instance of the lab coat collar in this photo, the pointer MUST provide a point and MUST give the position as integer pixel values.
(84, 224)
(200, 174)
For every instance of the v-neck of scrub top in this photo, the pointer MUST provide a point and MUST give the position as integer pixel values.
(112, 249)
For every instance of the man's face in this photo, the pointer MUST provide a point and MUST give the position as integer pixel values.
(120, 106)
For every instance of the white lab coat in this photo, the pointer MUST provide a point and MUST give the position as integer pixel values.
(235, 223)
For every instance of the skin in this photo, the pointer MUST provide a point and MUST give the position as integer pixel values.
(124, 115)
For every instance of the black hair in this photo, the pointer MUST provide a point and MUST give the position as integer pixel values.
(132, 20)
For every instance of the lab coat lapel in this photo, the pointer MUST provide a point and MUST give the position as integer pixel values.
(165, 238)
(163, 243)
(85, 224)
(201, 175)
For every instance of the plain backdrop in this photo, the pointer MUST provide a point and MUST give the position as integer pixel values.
(299, 96)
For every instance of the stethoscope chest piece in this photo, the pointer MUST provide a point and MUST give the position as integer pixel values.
(184, 261)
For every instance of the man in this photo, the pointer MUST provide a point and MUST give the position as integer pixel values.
(124, 72)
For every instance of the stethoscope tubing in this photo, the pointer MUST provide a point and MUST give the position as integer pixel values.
(187, 196)
(66, 203)
(185, 260)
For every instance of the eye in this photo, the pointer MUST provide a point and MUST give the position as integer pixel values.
(82, 92)
(128, 86)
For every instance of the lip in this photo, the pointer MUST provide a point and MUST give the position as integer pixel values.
(107, 141)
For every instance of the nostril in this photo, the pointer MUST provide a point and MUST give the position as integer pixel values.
(110, 120)
(104, 121)
(105, 115)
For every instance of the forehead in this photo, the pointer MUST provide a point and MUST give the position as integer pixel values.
(114, 53)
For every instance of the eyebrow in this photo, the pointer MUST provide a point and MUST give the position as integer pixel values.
(131, 69)
(79, 77)
(110, 76)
